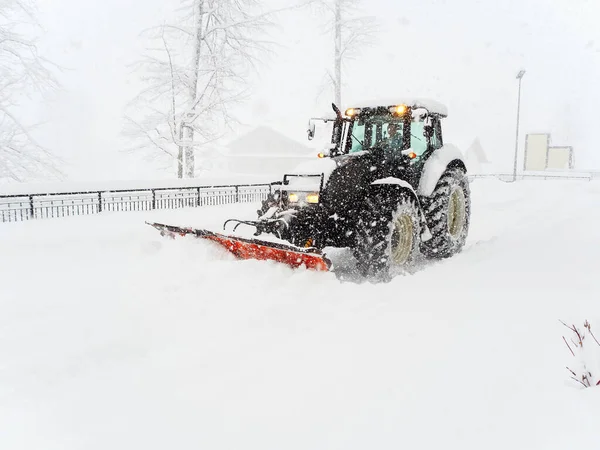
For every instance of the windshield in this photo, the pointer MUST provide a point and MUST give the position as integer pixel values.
(375, 130)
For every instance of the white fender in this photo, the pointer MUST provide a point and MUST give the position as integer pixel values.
(435, 167)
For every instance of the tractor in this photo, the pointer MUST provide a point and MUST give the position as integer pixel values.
(387, 186)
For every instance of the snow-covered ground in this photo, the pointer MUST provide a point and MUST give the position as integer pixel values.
(112, 337)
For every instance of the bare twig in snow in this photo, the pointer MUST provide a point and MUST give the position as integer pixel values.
(579, 351)
(568, 346)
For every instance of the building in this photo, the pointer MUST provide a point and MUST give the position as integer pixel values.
(266, 151)
(540, 155)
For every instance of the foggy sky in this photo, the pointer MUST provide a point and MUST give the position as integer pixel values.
(464, 53)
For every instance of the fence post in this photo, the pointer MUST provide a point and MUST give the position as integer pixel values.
(237, 193)
(31, 210)
(99, 201)
(153, 199)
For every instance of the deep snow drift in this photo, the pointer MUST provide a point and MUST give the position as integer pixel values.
(112, 337)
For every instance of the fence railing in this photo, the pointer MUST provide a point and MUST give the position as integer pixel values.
(20, 207)
(585, 176)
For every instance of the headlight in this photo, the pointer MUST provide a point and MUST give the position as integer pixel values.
(398, 109)
(351, 112)
(313, 197)
(301, 197)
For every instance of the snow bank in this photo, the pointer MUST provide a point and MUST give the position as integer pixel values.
(113, 337)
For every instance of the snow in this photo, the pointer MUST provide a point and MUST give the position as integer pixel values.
(114, 337)
(394, 180)
(432, 106)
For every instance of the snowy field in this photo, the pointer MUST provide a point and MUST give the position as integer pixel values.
(112, 337)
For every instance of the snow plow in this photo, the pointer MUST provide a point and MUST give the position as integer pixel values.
(387, 187)
(243, 248)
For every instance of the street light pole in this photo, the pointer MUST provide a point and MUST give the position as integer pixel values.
(519, 77)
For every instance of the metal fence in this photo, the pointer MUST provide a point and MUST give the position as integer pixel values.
(20, 207)
(584, 176)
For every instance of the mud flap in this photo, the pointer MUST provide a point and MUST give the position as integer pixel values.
(243, 248)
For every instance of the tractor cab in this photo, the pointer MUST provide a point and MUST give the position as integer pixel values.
(409, 128)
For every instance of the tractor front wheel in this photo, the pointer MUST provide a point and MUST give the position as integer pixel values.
(387, 236)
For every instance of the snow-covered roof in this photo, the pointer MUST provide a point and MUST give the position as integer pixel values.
(432, 106)
(264, 140)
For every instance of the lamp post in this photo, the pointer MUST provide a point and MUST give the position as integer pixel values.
(519, 77)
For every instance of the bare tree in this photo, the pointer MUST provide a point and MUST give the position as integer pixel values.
(194, 70)
(351, 31)
(22, 72)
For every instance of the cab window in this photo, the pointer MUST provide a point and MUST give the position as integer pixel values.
(358, 137)
(436, 139)
(418, 141)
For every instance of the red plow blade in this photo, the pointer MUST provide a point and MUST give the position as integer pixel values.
(243, 248)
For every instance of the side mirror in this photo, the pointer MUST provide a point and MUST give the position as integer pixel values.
(311, 130)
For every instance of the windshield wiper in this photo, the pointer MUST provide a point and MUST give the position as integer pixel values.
(356, 139)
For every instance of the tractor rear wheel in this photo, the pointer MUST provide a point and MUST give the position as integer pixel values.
(447, 212)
